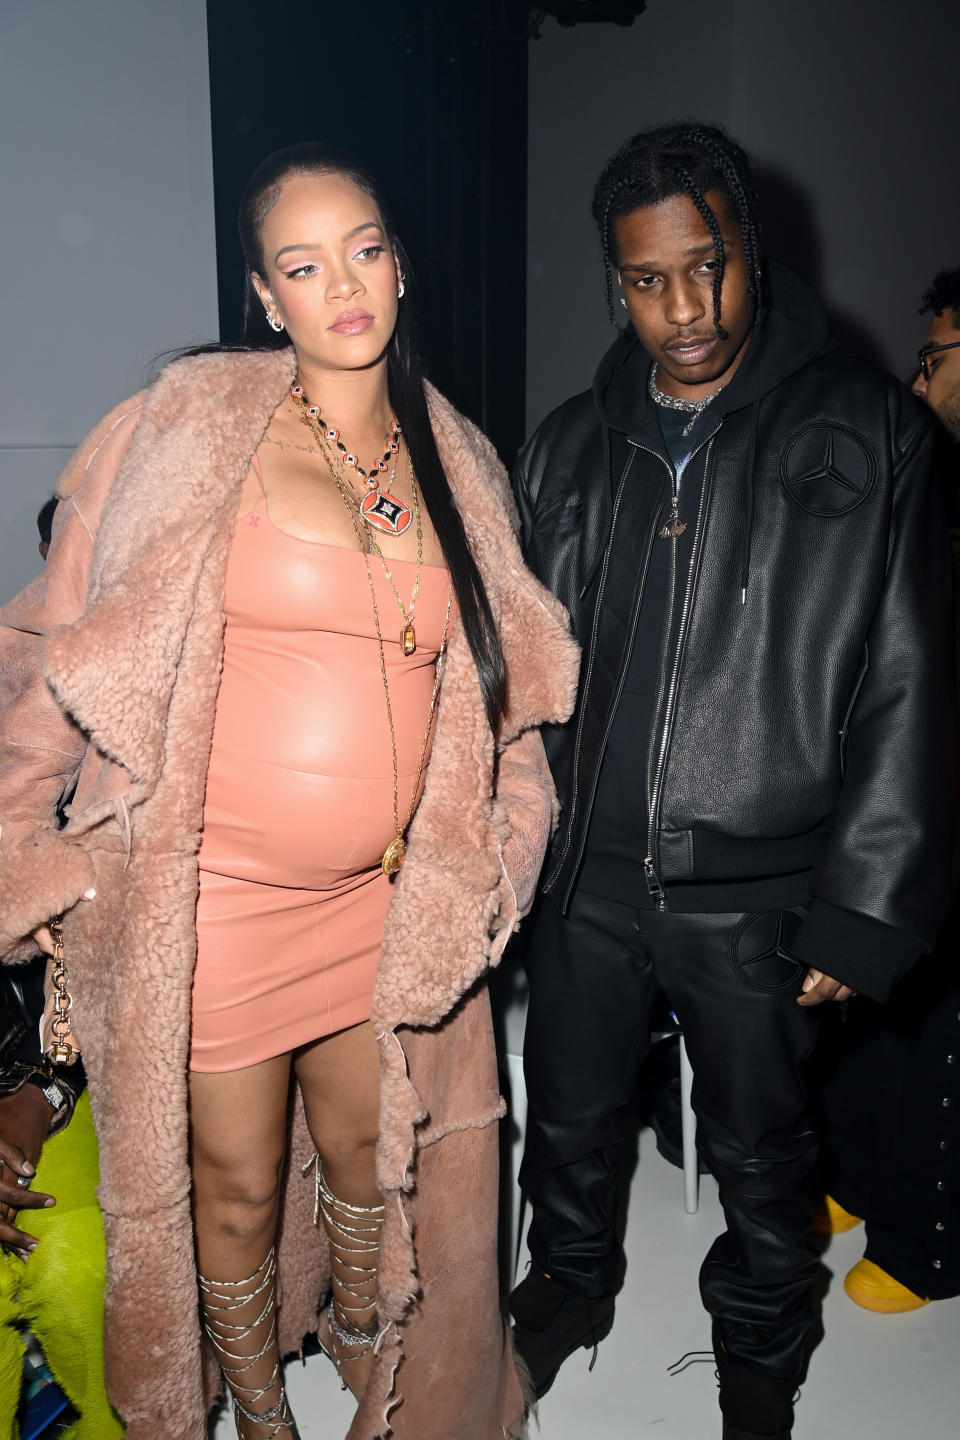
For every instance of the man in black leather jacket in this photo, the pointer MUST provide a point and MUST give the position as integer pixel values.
(756, 782)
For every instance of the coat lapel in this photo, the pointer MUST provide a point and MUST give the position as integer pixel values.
(437, 935)
(167, 519)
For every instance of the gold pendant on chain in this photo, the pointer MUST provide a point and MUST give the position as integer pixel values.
(408, 638)
(674, 527)
(394, 856)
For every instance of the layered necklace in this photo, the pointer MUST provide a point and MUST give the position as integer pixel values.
(379, 510)
(693, 408)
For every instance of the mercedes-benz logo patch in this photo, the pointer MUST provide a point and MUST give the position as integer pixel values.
(827, 469)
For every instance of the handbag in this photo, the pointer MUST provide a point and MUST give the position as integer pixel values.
(57, 1039)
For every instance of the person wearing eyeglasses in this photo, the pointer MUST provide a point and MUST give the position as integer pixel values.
(938, 380)
(891, 1095)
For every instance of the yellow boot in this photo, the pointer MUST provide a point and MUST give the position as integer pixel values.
(832, 1219)
(874, 1289)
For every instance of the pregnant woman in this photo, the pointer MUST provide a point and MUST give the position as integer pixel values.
(287, 666)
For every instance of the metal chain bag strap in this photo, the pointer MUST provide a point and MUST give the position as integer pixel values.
(57, 1039)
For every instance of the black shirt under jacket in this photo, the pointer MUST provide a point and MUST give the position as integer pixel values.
(619, 823)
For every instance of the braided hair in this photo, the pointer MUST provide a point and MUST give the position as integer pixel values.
(944, 294)
(690, 159)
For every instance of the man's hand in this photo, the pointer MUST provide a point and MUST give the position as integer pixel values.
(818, 987)
(24, 1121)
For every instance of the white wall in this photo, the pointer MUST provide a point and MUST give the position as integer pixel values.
(850, 103)
(106, 227)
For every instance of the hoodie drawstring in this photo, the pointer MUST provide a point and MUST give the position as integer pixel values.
(751, 501)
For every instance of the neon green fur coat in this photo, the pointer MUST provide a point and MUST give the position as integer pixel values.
(58, 1292)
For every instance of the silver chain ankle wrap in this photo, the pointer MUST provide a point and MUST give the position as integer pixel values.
(354, 1235)
(220, 1297)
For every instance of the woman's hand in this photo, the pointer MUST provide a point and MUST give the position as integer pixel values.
(24, 1122)
(43, 938)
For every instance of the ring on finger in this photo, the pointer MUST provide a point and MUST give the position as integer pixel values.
(24, 1182)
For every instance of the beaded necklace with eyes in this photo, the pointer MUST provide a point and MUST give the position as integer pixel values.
(379, 509)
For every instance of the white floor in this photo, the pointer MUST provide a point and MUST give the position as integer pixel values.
(872, 1377)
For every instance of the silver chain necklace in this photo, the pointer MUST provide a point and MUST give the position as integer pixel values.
(693, 408)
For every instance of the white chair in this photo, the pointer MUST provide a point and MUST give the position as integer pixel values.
(509, 991)
(691, 1168)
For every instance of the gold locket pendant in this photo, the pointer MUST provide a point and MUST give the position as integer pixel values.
(394, 856)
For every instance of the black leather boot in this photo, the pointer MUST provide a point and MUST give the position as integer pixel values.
(756, 1405)
(551, 1323)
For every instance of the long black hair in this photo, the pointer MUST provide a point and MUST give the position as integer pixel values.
(405, 377)
(687, 158)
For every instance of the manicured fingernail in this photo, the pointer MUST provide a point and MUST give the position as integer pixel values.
(31, 1248)
(48, 1202)
(28, 1169)
(90, 894)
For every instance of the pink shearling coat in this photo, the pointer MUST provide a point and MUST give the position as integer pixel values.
(109, 669)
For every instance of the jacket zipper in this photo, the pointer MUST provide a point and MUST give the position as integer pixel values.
(654, 888)
(575, 763)
(654, 885)
(650, 873)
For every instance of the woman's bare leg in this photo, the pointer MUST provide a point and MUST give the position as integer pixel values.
(340, 1083)
(238, 1129)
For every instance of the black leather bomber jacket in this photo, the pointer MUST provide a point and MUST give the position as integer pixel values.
(803, 743)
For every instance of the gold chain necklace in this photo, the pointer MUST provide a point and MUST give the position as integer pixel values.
(408, 634)
(396, 851)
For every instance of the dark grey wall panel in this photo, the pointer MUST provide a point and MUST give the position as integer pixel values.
(433, 100)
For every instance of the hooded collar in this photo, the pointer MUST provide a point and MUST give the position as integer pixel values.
(792, 332)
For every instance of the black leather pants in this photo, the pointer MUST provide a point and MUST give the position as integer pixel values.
(733, 984)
